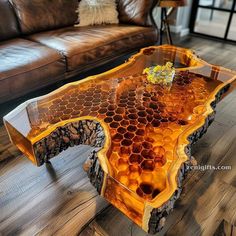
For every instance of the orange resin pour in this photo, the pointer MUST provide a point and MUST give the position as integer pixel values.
(144, 121)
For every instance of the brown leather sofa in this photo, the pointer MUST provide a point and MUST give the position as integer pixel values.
(39, 44)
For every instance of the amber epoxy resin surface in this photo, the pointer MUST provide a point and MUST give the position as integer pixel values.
(142, 132)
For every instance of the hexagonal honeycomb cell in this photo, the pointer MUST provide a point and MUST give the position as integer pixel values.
(142, 129)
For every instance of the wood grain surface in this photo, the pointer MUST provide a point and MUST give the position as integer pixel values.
(58, 199)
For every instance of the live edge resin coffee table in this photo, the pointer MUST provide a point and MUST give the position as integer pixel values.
(142, 132)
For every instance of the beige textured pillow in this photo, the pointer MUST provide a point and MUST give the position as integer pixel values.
(96, 12)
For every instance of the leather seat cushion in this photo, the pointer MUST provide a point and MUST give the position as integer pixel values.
(87, 45)
(26, 66)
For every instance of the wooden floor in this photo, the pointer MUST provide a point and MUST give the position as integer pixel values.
(58, 199)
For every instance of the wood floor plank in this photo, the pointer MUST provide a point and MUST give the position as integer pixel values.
(7, 150)
(56, 199)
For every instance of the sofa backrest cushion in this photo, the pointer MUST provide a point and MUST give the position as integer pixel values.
(8, 23)
(40, 15)
(134, 11)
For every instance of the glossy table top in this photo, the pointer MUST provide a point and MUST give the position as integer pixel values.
(146, 125)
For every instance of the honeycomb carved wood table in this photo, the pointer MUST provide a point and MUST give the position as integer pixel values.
(141, 133)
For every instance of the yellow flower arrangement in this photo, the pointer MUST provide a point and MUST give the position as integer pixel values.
(160, 74)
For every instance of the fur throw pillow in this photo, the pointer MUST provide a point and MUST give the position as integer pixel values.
(96, 12)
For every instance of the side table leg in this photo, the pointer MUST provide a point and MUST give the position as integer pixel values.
(161, 27)
(167, 27)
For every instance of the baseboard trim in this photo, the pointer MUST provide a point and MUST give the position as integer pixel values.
(184, 32)
(175, 29)
(179, 30)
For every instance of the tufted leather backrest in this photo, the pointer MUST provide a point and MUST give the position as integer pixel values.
(134, 11)
(8, 23)
(39, 15)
